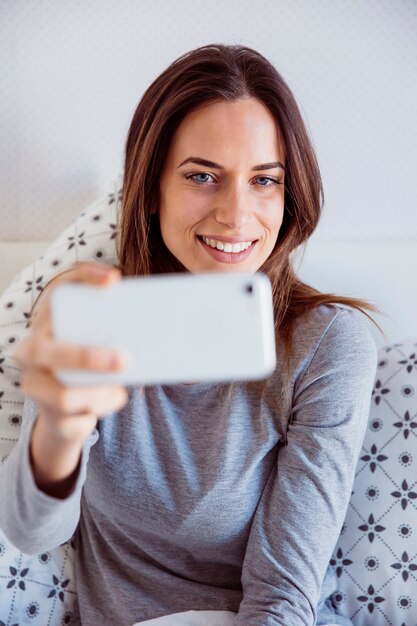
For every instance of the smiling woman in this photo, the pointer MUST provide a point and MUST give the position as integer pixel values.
(215, 118)
(225, 217)
(207, 497)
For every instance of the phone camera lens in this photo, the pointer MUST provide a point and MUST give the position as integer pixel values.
(249, 288)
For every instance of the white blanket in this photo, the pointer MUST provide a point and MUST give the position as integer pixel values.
(193, 618)
(196, 618)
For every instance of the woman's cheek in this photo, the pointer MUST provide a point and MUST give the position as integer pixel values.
(196, 206)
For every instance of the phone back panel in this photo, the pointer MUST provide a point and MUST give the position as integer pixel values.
(174, 328)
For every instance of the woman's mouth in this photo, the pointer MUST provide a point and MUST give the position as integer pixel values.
(227, 251)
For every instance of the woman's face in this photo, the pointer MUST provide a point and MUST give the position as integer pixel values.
(222, 187)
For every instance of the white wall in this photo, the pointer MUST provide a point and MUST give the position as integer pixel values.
(71, 74)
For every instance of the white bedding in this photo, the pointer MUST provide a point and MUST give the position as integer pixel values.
(193, 618)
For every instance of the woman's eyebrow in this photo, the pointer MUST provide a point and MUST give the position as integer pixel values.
(268, 166)
(206, 163)
(199, 161)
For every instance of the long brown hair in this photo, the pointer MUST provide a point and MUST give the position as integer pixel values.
(209, 74)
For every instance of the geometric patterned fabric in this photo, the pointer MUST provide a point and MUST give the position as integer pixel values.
(39, 590)
(376, 556)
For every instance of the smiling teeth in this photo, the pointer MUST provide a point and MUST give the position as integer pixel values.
(228, 247)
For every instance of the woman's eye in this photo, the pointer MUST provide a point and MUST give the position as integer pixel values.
(200, 178)
(266, 181)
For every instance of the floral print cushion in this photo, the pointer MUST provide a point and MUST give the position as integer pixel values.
(376, 556)
(39, 590)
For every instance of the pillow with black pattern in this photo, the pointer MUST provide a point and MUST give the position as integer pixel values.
(40, 589)
(376, 556)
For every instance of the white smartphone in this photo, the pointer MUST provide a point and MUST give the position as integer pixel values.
(177, 328)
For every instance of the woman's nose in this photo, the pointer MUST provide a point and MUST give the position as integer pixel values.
(233, 207)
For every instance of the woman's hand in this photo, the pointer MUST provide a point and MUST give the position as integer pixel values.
(67, 415)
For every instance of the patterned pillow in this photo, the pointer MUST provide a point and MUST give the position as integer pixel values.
(376, 557)
(39, 590)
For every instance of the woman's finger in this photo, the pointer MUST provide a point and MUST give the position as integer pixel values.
(60, 400)
(94, 274)
(47, 353)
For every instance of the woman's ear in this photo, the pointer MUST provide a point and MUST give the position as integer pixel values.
(154, 216)
(155, 201)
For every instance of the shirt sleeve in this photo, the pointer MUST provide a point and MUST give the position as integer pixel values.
(303, 506)
(33, 521)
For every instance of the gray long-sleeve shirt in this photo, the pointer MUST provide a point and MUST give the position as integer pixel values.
(189, 500)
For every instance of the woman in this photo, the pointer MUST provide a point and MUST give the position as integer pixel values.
(203, 496)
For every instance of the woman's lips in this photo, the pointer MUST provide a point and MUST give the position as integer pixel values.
(227, 257)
